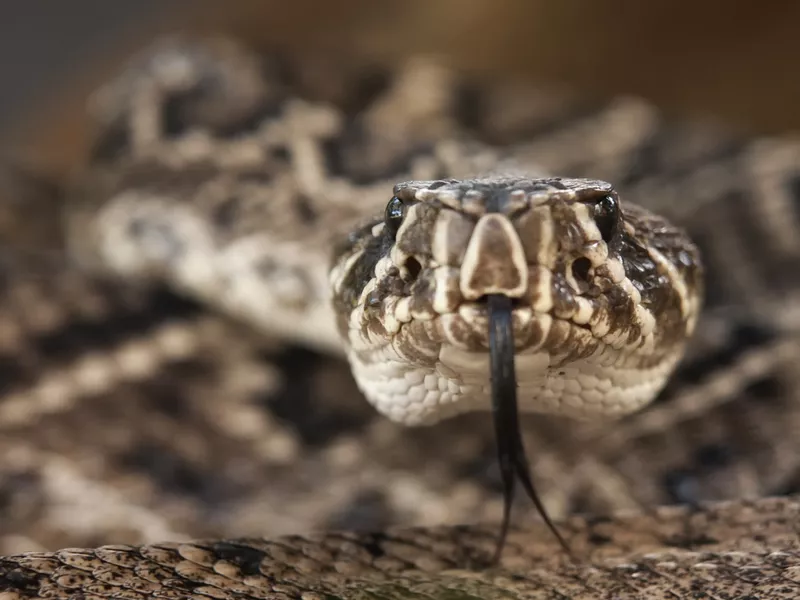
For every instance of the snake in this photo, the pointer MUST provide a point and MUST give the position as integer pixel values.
(597, 297)
(466, 285)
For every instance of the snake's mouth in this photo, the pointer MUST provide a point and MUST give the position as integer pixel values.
(534, 330)
(510, 448)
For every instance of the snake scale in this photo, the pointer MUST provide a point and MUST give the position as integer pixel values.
(195, 138)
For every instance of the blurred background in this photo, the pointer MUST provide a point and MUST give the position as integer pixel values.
(737, 61)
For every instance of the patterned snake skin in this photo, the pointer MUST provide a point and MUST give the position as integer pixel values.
(603, 296)
(133, 414)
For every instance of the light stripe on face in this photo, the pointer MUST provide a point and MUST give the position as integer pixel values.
(494, 262)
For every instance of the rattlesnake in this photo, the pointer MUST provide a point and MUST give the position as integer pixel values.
(200, 138)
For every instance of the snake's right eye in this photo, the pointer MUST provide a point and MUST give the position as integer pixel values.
(607, 217)
(393, 216)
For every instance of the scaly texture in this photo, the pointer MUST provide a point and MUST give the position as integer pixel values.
(605, 297)
(418, 355)
(190, 425)
(735, 550)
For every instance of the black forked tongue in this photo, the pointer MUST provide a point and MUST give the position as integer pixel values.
(510, 450)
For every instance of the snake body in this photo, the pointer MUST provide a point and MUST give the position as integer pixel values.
(214, 212)
(635, 556)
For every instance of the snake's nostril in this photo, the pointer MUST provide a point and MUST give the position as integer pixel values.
(413, 268)
(580, 273)
(580, 268)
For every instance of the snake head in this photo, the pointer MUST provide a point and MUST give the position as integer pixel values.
(603, 293)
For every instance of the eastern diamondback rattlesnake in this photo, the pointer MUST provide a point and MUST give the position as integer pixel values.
(201, 146)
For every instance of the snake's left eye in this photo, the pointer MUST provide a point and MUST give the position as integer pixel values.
(393, 216)
(607, 217)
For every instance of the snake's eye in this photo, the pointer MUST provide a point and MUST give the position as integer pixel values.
(606, 216)
(393, 216)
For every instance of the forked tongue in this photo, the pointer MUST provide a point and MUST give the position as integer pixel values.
(510, 449)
